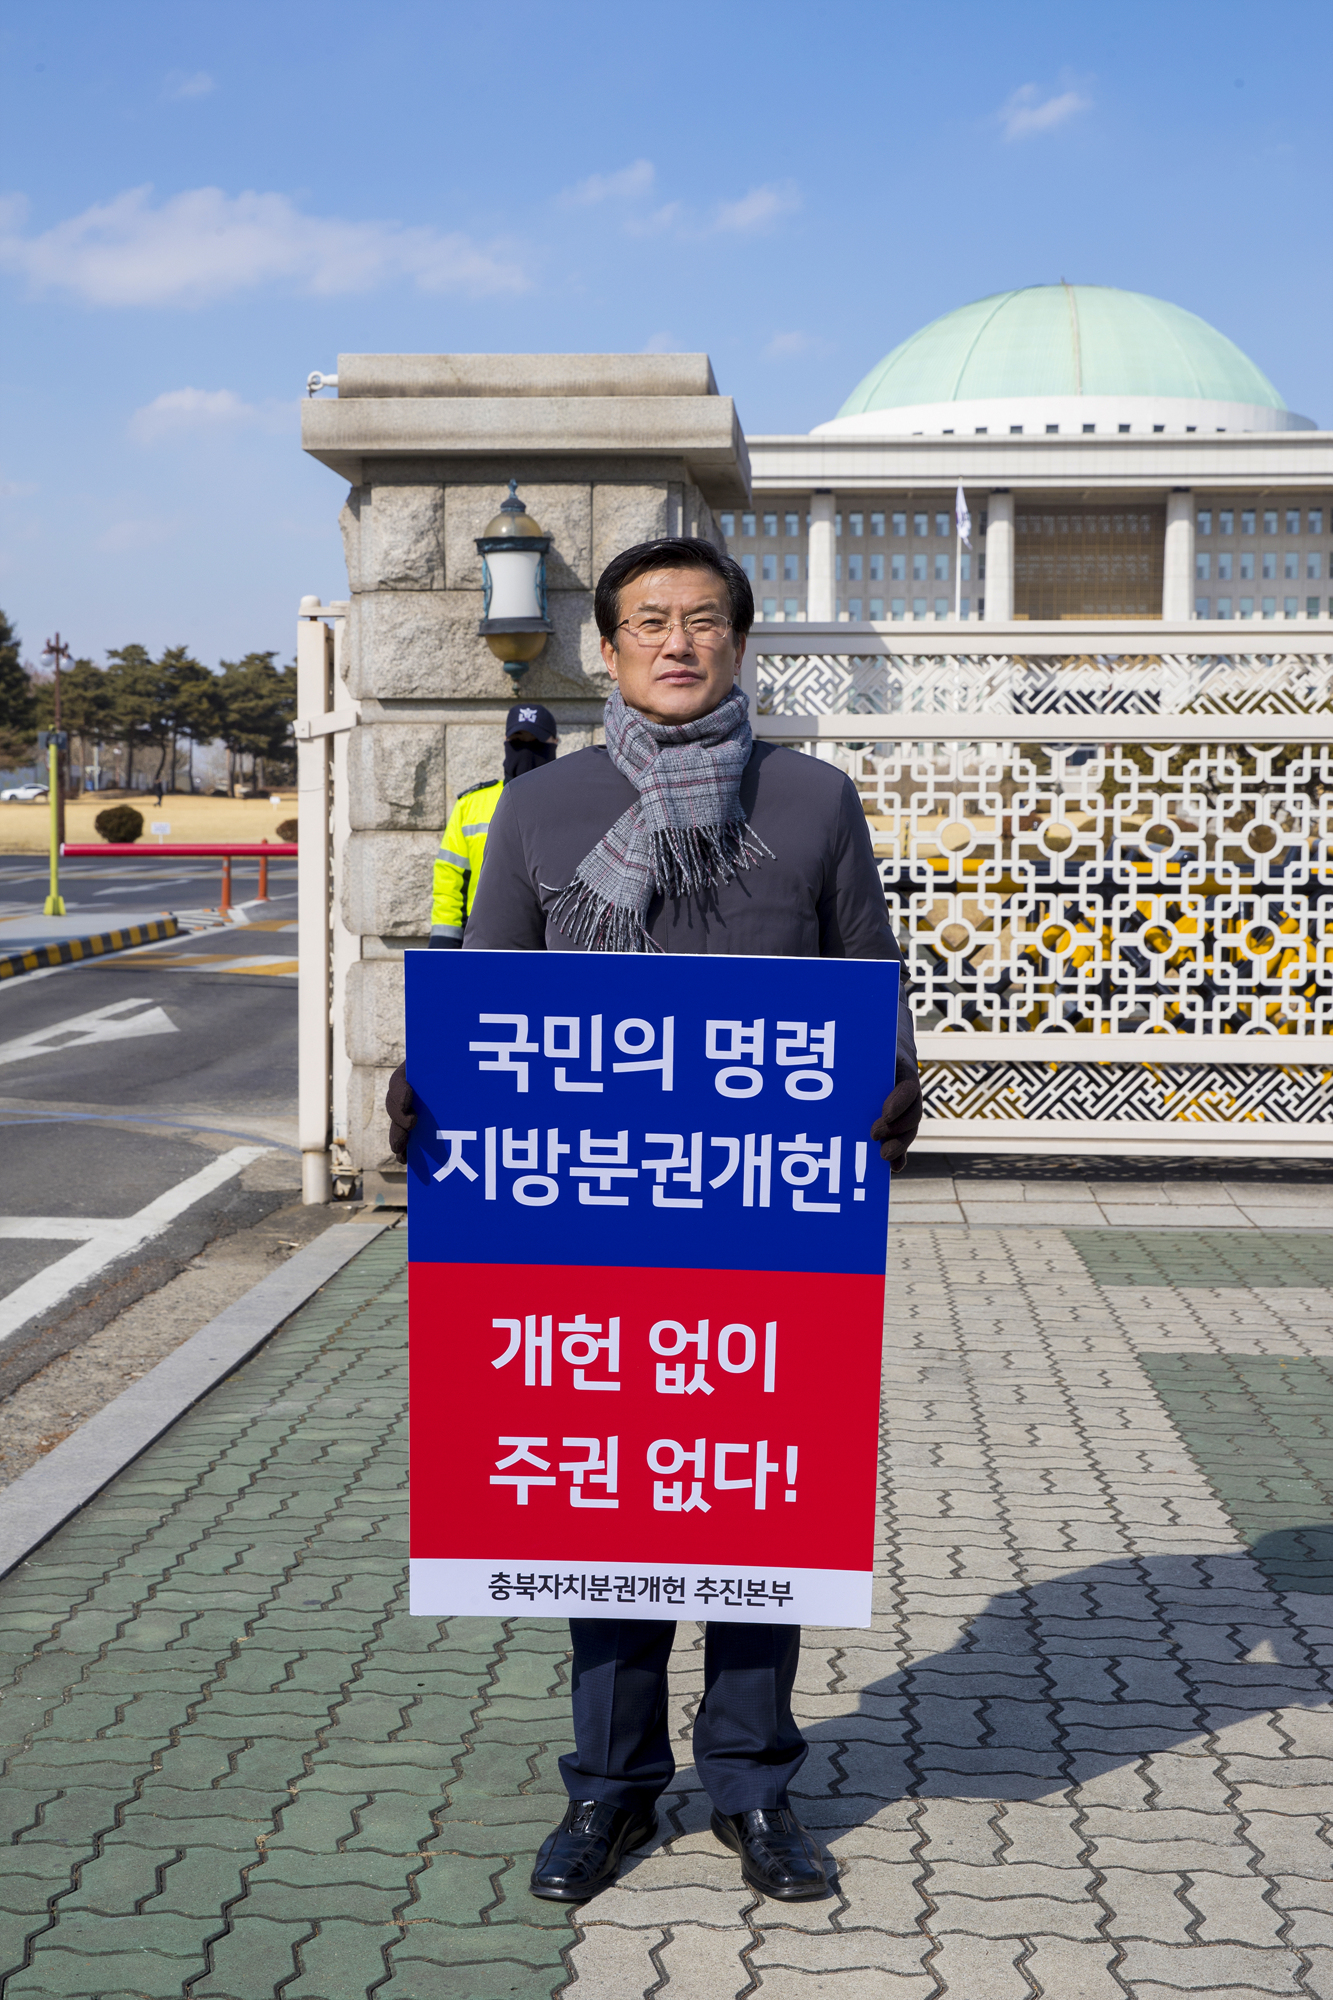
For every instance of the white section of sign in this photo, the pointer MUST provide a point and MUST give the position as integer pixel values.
(105, 1024)
(445, 1588)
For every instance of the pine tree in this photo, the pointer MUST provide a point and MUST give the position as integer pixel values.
(18, 708)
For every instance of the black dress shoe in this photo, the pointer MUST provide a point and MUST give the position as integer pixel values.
(583, 1853)
(778, 1857)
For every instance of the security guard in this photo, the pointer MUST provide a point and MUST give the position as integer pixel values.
(530, 739)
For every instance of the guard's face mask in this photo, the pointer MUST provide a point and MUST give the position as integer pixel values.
(525, 755)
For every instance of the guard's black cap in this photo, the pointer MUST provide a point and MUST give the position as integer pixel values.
(532, 717)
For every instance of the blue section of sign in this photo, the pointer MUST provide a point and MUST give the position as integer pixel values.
(683, 1112)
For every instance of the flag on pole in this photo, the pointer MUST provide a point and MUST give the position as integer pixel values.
(963, 518)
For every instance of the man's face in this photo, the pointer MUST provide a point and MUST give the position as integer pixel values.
(680, 679)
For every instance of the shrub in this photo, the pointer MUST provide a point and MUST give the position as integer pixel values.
(286, 829)
(119, 823)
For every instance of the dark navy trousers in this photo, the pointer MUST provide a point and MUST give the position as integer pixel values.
(747, 1748)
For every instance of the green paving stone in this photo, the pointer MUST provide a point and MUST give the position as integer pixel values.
(342, 1961)
(252, 1959)
(1206, 1258)
(1235, 1414)
(522, 1945)
(498, 1979)
(15, 1931)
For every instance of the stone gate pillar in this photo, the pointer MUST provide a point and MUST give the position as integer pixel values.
(607, 449)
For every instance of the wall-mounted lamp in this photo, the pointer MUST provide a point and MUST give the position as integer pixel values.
(513, 549)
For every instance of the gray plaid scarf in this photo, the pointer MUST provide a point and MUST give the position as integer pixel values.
(686, 831)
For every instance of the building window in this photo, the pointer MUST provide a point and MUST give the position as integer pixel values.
(791, 569)
(1313, 565)
(853, 566)
(1224, 565)
(1247, 607)
(1289, 607)
(941, 607)
(918, 569)
(1122, 428)
(1293, 520)
(898, 569)
(1201, 607)
(918, 607)
(1052, 430)
(1312, 607)
(1224, 607)
(1247, 566)
(920, 524)
(791, 607)
(967, 607)
(792, 525)
(1159, 427)
(898, 609)
(876, 608)
(747, 524)
(854, 608)
(965, 566)
(1015, 430)
(1088, 561)
(1270, 607)
(728, 525)
(1315, 521)
(747, 564)
(837, 569)
(943, 527)
(837, 524)
(1291, 564)
(1270, 565)
(899, 524)
(1270, 520)
(1204, 520)
(1247, 520)
(769, 569)
(856, 523)
(877, 569)
(771, 526)
(1226, 521)
(941, 569)
(770, 607)
(877, 525)
(1202, 566)
(1087, 428)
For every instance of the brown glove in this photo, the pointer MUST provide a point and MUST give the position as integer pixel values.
(896, 1127)
(398, 1102)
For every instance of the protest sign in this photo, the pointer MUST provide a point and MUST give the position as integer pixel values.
(647, 1234)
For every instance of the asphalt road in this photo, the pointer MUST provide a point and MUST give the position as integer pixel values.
(149, 1097)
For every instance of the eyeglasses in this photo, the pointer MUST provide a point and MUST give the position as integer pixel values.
(702, 628)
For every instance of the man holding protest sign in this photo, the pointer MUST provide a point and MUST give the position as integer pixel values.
(682, 835)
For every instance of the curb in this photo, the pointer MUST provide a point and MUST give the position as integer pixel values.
(70, 950)
(44, 1497)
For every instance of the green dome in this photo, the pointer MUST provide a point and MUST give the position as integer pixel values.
(1063, 340)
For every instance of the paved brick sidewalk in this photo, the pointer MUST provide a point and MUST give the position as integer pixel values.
(1083, 1753)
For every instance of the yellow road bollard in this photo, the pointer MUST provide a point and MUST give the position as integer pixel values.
(55, 902)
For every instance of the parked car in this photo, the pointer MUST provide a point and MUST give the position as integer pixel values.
(26, 792)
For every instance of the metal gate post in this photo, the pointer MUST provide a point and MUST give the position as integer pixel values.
(314, 676)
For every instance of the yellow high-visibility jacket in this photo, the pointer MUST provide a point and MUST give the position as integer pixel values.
(458, 863)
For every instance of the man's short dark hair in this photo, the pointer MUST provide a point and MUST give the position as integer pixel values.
(672, 552)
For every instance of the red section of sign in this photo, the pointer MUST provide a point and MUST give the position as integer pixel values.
(742, 1431)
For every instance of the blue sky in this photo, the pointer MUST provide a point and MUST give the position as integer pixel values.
(203, 202)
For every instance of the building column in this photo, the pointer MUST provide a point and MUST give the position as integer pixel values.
(1178, 556)
(821, 602)
(1000, 558)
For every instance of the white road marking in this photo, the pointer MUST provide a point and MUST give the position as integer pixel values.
(115, 1238)
(46, 1228)
(105, 1024)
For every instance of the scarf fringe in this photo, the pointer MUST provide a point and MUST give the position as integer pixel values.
(684, 860)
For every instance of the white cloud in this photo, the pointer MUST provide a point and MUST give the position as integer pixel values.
(661, 343)
(792, 346)
(671, 216)
(182, 412)
(205, 245)
(624, 185)
(180, 85)
(757, 210)
(1027, 112)
(127, 537)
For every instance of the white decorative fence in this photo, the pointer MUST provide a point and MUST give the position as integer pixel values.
(1112, 875)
